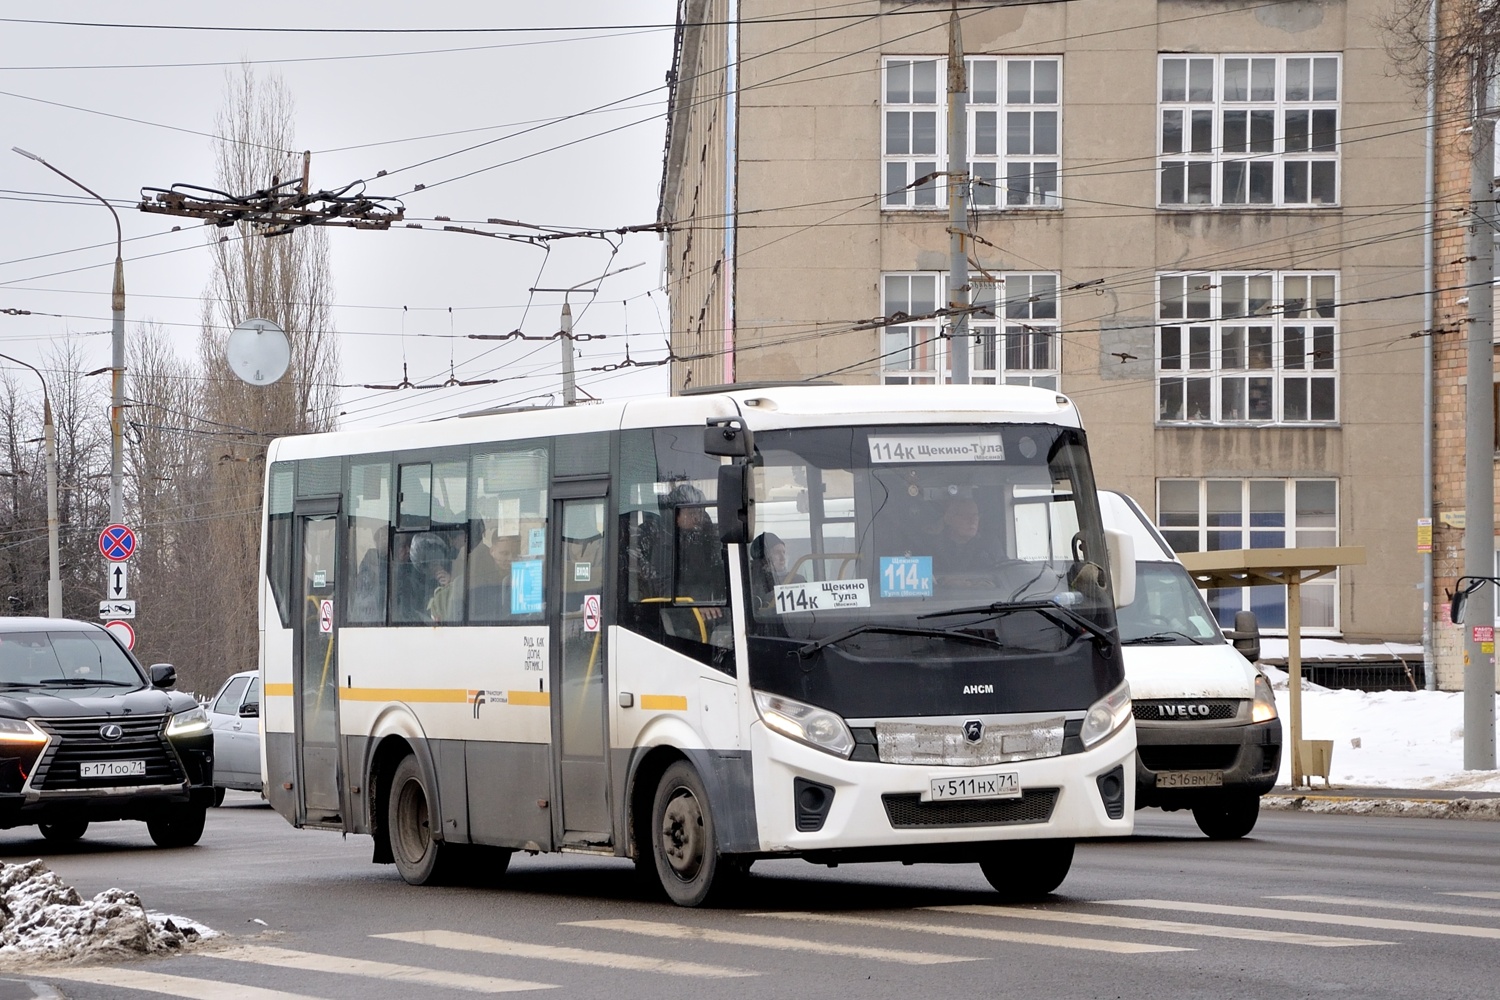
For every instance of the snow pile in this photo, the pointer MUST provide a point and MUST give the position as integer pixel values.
(42, 918)
(1417, 808)
(1384, 739)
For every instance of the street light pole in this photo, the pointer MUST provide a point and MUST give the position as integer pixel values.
(49, 448)
(116, 354)
(570, 388)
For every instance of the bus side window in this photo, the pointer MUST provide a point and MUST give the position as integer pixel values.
(674, 579)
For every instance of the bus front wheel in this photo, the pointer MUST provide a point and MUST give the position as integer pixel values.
(688, 862)
(421, 858)
(1028, 869)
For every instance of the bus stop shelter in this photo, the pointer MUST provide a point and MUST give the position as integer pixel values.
(1289, 568)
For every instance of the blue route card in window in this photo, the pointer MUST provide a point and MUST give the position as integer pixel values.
(526, 587)
(906, 576)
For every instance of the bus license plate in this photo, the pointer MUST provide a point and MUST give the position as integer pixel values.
(1005, 785)
(1189, 779)
(112, 769)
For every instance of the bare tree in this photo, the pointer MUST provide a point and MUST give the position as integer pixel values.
(1467, 40)
(285, 279)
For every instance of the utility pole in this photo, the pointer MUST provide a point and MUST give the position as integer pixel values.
(1479, 438)
(570, 388)
(959, 347)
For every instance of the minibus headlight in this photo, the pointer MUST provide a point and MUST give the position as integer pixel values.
(1264, 707)
(805, 723)
(189, 723)
(1106, 716)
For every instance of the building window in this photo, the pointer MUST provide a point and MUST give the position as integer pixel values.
(1212, 515)
(1013, 330)
(1249, 130)
(1014, 132)
(1247, 348)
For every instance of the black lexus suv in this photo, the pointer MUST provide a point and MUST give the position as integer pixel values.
(87, 734)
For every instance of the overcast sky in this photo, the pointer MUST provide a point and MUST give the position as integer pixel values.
(121, 108)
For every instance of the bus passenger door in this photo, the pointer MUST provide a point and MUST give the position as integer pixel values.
(581, 813)
(316, 670)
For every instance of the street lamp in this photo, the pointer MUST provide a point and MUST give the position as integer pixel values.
(117, 354)
(49, 437)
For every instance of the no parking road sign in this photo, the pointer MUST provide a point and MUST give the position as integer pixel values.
(117, 543)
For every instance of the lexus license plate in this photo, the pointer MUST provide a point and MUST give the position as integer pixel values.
(1004, 785)
(1189, 779)
(112, 769)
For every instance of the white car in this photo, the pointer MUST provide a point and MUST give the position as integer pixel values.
(235, 714)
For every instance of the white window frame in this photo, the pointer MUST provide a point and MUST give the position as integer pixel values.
(1206, 158)
(1236, 348)
(1015, 329)
(1302, 527)
(1003, 175)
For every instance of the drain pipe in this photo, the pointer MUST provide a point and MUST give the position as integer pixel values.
(1429, 319)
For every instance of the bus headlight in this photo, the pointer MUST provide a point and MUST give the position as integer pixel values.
(189, 723)
(1264, 707)
(1106, 716)
(805, 723)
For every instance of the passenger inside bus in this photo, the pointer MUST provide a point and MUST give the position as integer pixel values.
(960, 549)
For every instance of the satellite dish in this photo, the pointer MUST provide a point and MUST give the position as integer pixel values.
(258, 351)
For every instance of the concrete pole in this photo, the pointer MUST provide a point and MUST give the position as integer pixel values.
(959, 346)
(1294, 673)
(1479, 452)
(54, 580)
(570, 391)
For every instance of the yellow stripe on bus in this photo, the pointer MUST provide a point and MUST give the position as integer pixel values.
(528, 698)
(458, 695)
(663, 703)
(278, 690)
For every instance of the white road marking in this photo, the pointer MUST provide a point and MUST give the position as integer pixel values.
(1340, 920)
(681, 932)
(1163, 926)
(458, 941)
(981, 933)
(176, 986)
(310, 962)
(1379, 904)
(1473, 895)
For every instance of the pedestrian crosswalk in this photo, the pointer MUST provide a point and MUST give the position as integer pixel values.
(727, 945)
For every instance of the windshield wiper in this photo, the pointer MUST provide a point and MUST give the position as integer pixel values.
(810, 648)
(1170, 635)
(1058, 614)
(81, 682)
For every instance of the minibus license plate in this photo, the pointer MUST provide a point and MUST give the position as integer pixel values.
(112, 769)
(1005, 785)
(1189, 779)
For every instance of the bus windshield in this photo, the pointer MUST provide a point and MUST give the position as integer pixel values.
(903, 523)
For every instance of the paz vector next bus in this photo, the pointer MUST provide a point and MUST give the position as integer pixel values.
(836, 623)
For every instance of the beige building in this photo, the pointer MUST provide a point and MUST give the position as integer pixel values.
(1202, 221)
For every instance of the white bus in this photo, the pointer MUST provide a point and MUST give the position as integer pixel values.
(835, 623)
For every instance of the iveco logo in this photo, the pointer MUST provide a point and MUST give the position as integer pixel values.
(1183, 711)
(111, 732)
(979, 689)
(973, 731)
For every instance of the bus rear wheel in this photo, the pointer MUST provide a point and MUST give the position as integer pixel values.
(1028, 869)
(421, 858)
(688, 863)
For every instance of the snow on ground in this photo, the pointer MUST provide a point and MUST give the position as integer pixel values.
(41, 917)
(1388, 739)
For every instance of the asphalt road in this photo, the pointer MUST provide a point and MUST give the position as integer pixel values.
(1309, 905)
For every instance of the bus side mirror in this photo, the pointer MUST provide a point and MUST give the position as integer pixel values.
(1456, 609)
(1246, 635)
(734, 502)
(728, 437)
(1121, 565)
